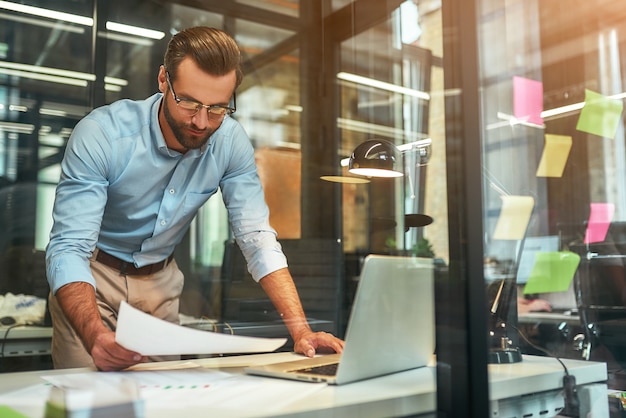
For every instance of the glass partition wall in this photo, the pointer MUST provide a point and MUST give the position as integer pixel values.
(320, 79)
(551, 88)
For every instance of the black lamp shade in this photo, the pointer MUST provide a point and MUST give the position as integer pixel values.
(376, 158)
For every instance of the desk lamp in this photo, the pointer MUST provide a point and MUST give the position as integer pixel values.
(502, 350)
(376, 158)
(381, 158)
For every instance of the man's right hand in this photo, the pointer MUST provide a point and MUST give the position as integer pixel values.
(109, 355)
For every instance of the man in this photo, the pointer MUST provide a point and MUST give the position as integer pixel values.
(133, 176)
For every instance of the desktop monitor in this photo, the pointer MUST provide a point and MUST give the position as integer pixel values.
(530, 247)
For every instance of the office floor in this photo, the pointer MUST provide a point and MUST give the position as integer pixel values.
(616, 372)
(617, 380)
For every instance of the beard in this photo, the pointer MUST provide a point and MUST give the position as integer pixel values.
(180, 130)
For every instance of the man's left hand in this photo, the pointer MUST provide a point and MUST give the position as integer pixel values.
(308, 343)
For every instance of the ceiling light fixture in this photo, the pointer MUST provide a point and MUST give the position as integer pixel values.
(47, 70)
(366, 81)
(51, 14)
(43, 23)
(135, 30)
(44, 77)
(81, 20)
(20, 128)
(56, 75)
(379, 130)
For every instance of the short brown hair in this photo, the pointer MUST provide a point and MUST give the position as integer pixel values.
(213, 50)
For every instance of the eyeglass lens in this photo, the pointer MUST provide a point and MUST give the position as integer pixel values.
(190, 107)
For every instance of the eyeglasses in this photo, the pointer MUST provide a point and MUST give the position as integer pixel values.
(191, 108)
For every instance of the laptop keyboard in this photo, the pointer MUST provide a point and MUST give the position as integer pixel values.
(324, 370)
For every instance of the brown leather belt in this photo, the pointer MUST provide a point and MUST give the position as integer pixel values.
(129, 269)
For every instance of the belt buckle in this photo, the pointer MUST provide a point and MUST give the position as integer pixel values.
(122, 269)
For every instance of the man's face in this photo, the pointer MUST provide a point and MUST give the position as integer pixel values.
(183, 129)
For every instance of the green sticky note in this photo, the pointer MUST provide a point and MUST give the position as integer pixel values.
(6, 412)
(600, 115)
(553, 272)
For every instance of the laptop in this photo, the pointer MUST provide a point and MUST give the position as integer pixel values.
(391, 326)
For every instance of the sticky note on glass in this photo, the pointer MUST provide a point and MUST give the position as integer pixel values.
(528, 100)
(514, 217)
(555, 153)
(600, 219)
(552, 272)
(600, 115)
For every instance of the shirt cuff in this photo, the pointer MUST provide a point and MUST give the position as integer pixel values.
(264, 256)
(68, 268)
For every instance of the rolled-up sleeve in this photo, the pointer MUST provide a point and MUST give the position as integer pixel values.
(263, 253)
(247, 210)
(70, 267)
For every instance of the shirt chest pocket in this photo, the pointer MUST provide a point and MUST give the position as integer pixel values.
(193, 201)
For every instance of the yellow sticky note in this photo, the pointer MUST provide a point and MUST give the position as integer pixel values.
(514, 217)
(555, 153)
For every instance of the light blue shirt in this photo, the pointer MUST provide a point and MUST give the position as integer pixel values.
(122, 190)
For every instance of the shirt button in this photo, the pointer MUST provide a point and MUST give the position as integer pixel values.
(172, 191)
(163, 222)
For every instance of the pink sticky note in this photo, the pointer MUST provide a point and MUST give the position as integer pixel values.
(528, 100)
(599, 220)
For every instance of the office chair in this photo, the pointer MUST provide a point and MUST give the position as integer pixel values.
(315, 265)
(600, 288)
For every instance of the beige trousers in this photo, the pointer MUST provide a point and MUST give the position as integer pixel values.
(157, 294)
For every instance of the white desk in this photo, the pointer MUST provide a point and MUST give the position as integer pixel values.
(535, 385)
(406, 393)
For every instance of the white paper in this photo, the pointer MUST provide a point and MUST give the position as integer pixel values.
(144, 380)
(163, 365)
(151, 336)
(237, 396)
